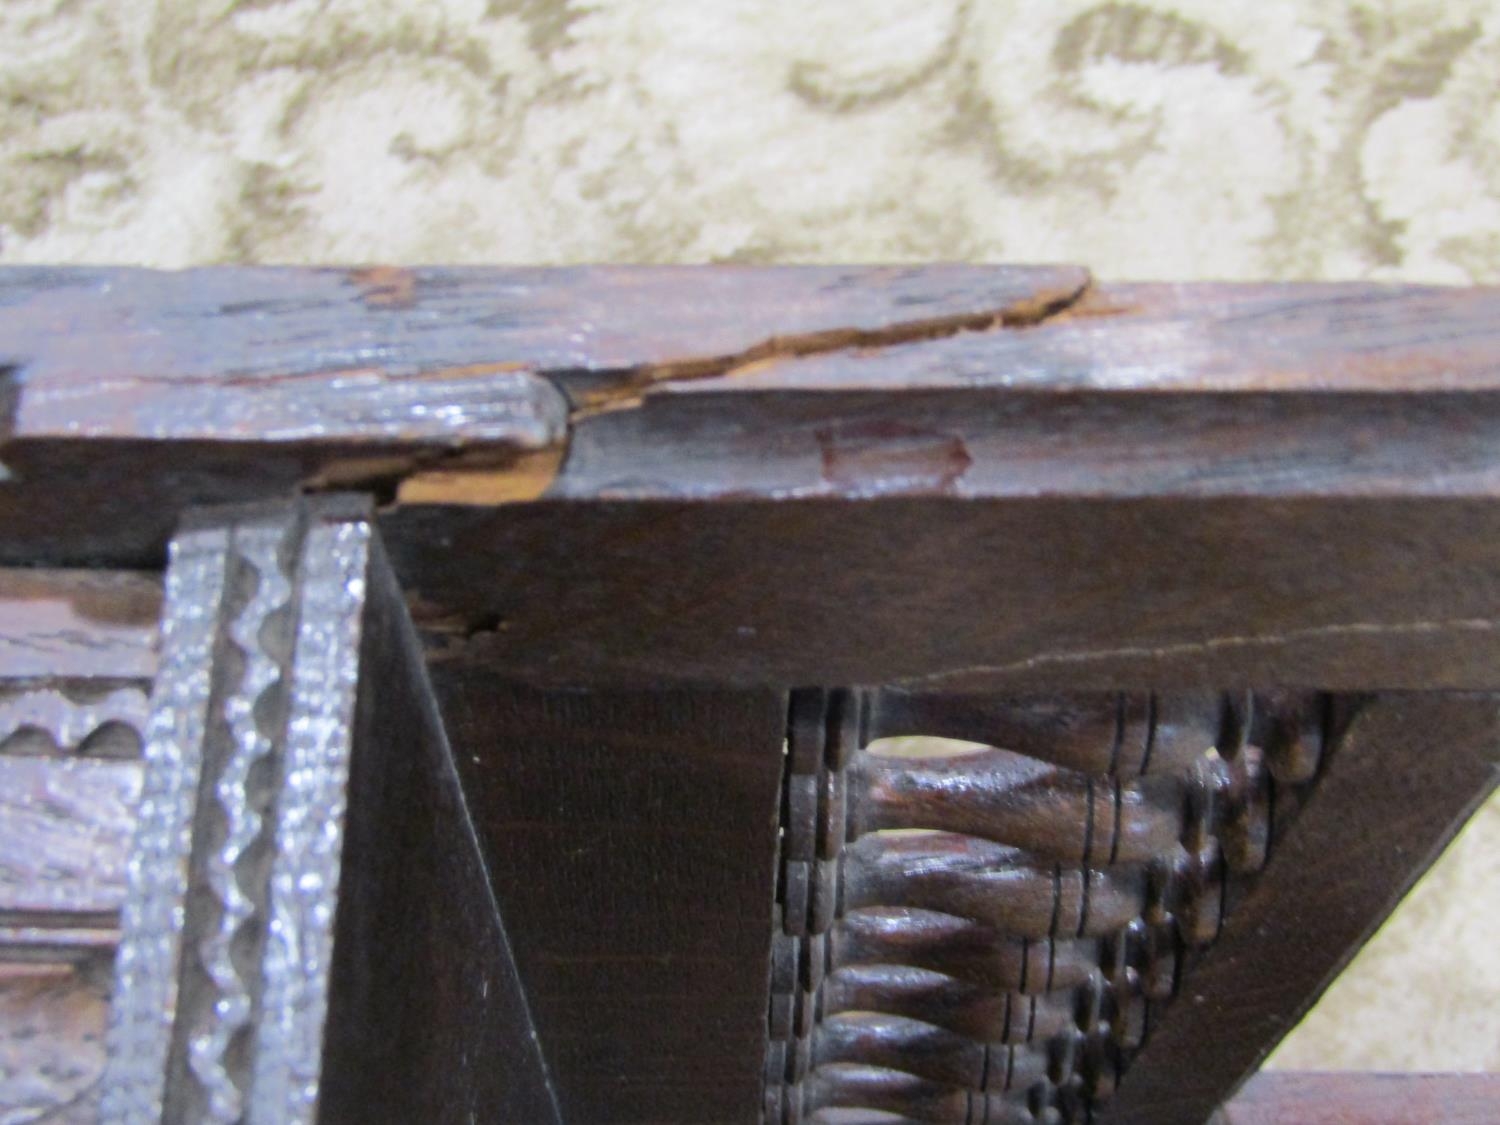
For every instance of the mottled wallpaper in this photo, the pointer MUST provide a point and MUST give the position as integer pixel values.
(1161, 139)
(1274, 138)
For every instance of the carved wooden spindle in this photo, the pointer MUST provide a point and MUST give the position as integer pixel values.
(1045, 906)
(1001, 886)
(1099, 733)
(1012, 799)
(970, 1009)
(855, 1086)
(929, 1051)
(973, 951)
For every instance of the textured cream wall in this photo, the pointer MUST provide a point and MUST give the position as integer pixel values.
(1187, 139)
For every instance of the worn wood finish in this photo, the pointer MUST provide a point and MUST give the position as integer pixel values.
(629, 510)
(217, 385)
(631, 838)
(1408, 771)
(94, 624)
(1286, 484)
(228, 975)
(1315, 413)
(1341, 1098)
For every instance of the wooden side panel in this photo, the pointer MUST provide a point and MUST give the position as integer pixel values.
(428, 1020)
(1023, 595)
(633, 841)
(1407, 771)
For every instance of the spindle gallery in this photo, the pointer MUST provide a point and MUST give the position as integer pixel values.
(969, 695)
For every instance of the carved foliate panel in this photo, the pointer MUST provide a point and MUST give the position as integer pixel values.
(987, 932)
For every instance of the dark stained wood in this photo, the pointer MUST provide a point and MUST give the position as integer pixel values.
(724, 383)
(1016, 892)
(1037, 906)
(692, 490)
(89, 349)
(1407, 772)
(1342, 1098)
(1042, 594)
(428, 1020)
(987, 439)
(631, 838)
(221, 385)
(1286, 484)
(1003, 796)
(1098, 733)
(1154, 337)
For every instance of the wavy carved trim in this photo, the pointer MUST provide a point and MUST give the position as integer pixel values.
(223, 968)
(75, 719)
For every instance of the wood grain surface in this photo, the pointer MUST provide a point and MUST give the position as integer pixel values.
(943, 480)
(98, 624)
(631, 838)
(1039, 594)
(52, 1021)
